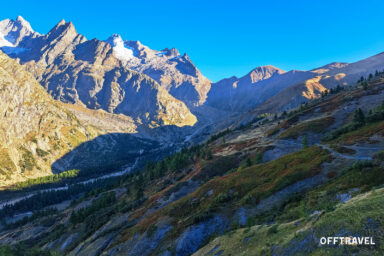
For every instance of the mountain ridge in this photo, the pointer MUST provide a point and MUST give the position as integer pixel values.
(56, 58)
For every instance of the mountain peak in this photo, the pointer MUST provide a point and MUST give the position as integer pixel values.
(24, 24)
(62, 28)
(13, 31)
(61, 23)
(173, 52)
(267, 68)
(120, 50)
(114, 40)
(264, 72)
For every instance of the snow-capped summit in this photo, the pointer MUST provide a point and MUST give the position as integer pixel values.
(12, 32)
(120, 49)
(25, 24)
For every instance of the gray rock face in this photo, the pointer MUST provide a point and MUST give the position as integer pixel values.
(147, 244)
(12, 32)
(98, 73)
(192, 238)
(32, 125)
(95, 74)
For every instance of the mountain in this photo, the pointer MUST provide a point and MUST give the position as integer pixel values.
(125, 150)
(86, 72)
(114, 75)
(245, 93)
(275, 186)
(174, 72)
(324, 79)
(40, 136)
(12, 32)
(158, 88)
(271, 90)
(34, 129)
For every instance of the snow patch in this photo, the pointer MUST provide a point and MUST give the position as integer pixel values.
(5, 42)
(120, 49)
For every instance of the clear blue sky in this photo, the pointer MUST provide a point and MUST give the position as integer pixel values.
(225, 38)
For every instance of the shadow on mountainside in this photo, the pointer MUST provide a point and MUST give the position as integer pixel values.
(109, 153)
(118, 151)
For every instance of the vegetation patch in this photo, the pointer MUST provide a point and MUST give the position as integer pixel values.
(27, 161)
(316, 126)
(361, 128)
(343, 150)
(358, 135)
(7, 166)
(217, 167)
(251, 184)
(73, 136)
(55, 178)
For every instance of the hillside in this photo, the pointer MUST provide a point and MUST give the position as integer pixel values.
(40, 136)
(295, 177)
(35, 130)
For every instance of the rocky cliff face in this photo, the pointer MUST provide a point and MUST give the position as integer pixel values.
(174, 72)
(12, 32)
(39, 135)
(115, 75)
(34, 129)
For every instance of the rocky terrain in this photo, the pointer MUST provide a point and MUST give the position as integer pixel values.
(38, 133)
(288, 179)
(109, 75)
(112, 148)
(116, 75)
(35, 129)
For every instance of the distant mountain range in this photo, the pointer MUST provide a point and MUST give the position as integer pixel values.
(160, 87)
(119, 86)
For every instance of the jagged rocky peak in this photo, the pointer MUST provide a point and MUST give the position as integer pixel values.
(264, 72)
(20, 20)
(12, 32)
(61, 29)
(173, 52)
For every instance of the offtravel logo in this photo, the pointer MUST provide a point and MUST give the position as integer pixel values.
(349, 240)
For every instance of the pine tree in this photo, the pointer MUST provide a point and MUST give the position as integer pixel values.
(305, 141)
(209, 154)
(359, 117)
(139, 193)
(248, 162)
